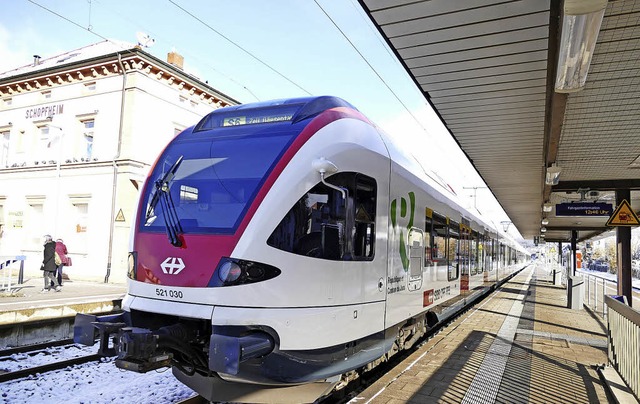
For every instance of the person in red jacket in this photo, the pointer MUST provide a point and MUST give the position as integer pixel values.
(61, 249)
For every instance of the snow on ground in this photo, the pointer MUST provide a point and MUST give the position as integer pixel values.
(94, 383)
(635, 282)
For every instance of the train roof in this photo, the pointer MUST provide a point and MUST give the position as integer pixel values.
(289, 109)
(295, 110)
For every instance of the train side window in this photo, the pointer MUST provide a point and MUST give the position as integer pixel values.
(454, 250)
(364, 217)
(439, 248)
(324, 224)
(494, 254)
(482, 252)
(428, 239)
(473, 252)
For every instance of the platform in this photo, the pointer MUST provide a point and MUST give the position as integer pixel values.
(519, 345)
(27, 303)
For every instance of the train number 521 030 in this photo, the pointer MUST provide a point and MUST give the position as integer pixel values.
(176, 294)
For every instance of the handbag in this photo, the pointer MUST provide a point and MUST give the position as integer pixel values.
(68, 264)
(57, 260)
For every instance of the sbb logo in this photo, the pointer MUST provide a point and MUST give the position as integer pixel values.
(427, 298)
(172, 265)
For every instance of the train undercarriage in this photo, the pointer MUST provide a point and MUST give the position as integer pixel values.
(241, 364)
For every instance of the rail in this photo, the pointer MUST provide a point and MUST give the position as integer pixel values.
(624, 342)
(8, 272)
(597, 287)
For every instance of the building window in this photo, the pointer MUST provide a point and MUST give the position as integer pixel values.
(82, 212)
(35, 220)
(44, 144)
(48, 146)
(88, 138)
(46, 94)
(77, 223)
(8, 101)
(90, 87)
(4, 149)
(20, 142)
(2, 222)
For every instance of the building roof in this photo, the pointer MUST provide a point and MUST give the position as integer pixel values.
(96, 60)
(73, 56)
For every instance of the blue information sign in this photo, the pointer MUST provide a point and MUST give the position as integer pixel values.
(584, 209)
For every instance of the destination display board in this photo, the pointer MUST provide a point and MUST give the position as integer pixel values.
(252, 120)
(584, 209)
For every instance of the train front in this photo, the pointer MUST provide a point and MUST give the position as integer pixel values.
(196, 204)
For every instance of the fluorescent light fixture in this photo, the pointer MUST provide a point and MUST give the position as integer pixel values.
(547, 207)
(543, 229)
(545, 221)
(553, 175)
(580, 26)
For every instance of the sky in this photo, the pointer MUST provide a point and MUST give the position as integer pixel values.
(256, 50)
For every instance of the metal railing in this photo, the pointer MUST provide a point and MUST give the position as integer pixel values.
(624, 342)
(10, 276)
(597, 287)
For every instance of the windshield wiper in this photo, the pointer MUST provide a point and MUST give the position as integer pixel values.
(171, 221)
(169, 214)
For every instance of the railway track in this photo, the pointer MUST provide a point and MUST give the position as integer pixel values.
(30, 351)
(34, 348)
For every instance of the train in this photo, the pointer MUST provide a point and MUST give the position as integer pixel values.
(282, 248)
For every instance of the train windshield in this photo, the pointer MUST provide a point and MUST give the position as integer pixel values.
(212, 186)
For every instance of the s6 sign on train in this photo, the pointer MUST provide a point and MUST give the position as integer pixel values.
(282, 247)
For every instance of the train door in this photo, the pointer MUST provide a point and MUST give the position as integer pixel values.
(453, 253)
(503, 260)
(464, 256)
(416, 258)
(439, 255)
(473, 253)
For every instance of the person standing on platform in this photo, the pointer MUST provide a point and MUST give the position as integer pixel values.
(49, 265)
(65, 261)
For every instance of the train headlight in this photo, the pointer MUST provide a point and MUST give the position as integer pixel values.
(232, 272)
(133, 263)
(229, 272)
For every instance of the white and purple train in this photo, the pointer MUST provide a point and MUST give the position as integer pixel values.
(282, 247)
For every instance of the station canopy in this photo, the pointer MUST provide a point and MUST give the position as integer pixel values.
(510, 92)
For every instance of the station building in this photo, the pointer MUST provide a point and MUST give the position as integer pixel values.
(78, 135)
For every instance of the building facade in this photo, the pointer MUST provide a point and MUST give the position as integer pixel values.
(78, 135)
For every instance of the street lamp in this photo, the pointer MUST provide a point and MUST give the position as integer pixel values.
(505, 225)
(58, 159)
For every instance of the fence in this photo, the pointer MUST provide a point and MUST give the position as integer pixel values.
(10, 276)
(597, 287)
(624, 342)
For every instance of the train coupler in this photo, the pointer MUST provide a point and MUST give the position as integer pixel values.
(137, 350)
(87, 328)
(143, 366)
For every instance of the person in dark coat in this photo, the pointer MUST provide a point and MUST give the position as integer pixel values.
(61, 249)
(49, 265)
